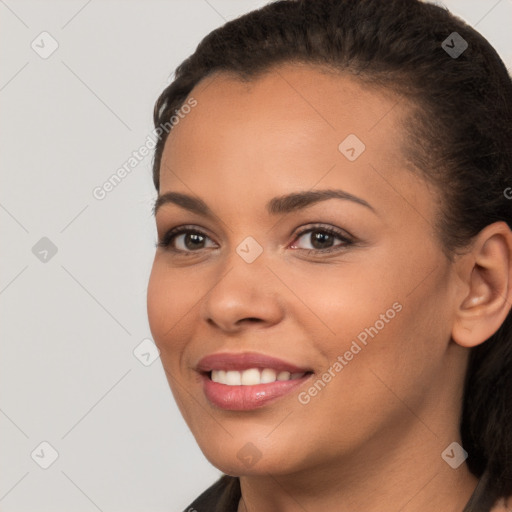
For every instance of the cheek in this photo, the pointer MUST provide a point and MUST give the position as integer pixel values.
(402, 343)
(388, 315)
(157, 302)
(342, 299)
(167, 303)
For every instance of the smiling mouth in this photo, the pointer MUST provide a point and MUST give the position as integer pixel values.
(253, 376)
(250, 389)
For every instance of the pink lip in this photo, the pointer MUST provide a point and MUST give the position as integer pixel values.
(242, 398)
(244, 361)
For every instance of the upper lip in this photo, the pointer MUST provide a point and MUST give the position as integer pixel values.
(244, 361)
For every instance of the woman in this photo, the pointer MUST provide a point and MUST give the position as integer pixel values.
(332, 286)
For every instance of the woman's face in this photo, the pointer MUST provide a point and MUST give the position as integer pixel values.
(355, 290)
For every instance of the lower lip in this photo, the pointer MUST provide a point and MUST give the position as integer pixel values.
(244, 398)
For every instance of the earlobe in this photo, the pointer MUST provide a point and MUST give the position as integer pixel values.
(487, 296)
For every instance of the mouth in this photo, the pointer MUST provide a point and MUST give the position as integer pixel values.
(251, 389)
(253, 376)
(249, 380)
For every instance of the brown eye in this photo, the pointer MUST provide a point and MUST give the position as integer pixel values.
(322, 239)
(183, 240)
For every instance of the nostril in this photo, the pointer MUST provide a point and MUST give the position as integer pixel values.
(250, 319)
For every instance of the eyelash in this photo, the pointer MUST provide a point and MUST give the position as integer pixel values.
(167, 239)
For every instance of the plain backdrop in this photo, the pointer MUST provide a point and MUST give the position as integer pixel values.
(82, 390)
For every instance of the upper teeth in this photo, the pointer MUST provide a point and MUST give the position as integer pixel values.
(252, 376)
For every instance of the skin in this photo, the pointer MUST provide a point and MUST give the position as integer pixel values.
(372, 438)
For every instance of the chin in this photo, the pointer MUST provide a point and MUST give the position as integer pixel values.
(246, 460)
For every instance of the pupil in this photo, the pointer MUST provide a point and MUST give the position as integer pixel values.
(195, 238)
(322, 238)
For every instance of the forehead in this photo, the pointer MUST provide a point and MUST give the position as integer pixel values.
(289, 129)
(298, 97)
(293, 107)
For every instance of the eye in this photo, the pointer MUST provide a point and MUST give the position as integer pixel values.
(184, 240)
(321, 238)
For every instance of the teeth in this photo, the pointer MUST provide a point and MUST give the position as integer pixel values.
(268, 375)
(233, 378)
(252, 376)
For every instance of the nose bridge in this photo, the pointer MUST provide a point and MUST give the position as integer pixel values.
(244, 289)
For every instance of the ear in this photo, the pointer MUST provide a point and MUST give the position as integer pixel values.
(486, 299)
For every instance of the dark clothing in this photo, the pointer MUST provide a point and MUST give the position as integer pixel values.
(224, 495)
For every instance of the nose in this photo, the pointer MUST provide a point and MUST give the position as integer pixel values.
(245, 294)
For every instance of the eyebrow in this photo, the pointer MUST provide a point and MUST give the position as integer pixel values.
(276, 206)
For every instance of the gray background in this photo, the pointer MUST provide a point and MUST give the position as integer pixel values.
(72, 320)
